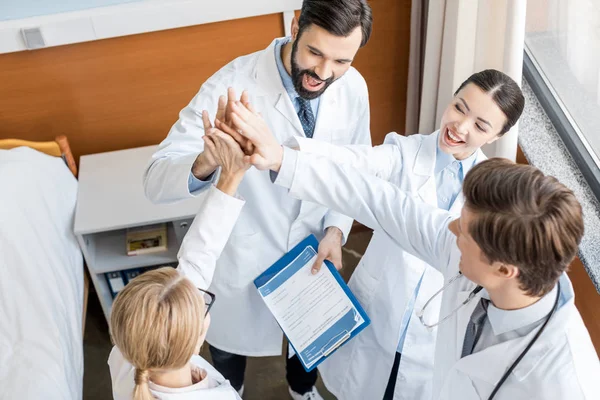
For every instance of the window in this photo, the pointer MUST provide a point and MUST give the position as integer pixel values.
(562, 64)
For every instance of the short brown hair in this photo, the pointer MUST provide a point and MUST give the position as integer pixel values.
(338, 17)
(523, 218)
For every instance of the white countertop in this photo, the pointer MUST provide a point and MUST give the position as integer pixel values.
(111, 194)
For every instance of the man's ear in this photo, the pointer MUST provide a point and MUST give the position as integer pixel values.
(295, 28)
(453, 226)
(507, 271)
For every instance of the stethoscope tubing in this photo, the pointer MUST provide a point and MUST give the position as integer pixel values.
(465, 302)
(421, 313)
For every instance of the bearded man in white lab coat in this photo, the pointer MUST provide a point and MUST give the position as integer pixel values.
(508, 326)
(303, 86)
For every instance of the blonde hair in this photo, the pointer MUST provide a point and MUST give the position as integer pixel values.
(156, 323)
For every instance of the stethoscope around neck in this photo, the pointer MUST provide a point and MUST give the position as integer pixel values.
(421, 312)
(473, 293)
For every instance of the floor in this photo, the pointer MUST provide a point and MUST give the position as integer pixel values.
(265, 377)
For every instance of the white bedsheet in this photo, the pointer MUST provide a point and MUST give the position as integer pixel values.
(41, 279)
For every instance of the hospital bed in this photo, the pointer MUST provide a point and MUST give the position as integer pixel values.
(43, 286)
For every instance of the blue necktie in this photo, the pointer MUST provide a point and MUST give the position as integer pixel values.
(307, 119)
(474, 327)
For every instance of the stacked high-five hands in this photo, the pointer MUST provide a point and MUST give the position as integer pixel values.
(239, 121)
(241, 138)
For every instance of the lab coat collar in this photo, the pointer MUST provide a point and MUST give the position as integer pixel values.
(503, 321)
(460, 198)
(425, 166)
(498, 358)
(426, 159)
(269, 81)
(426, 156)
(328, 105)
(265, 71)
(443, 160)
(469, 162)
(270, 84)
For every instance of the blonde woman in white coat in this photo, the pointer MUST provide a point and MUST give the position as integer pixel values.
(397, 351)
(160, 319)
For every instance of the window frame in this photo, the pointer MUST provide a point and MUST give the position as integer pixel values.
(575, 142)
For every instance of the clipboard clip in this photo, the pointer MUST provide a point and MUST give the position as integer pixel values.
(345, 335)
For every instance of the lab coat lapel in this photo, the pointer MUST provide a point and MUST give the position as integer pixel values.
(457, 204)
(480, 157)
(477, 365)
(491, 363)
(269, 81)
(463, 316)
(285, 107)
(427, 191)
(325, 118)
(460, 198)
(425, 167)
(324, 127)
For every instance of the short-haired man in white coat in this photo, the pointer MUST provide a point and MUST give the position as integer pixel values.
(303, 86)
(508, 326)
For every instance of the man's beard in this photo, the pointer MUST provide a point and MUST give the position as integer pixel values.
(298, 77)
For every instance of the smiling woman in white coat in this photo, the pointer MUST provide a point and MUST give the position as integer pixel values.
(160, 319)
(397, 350)
(508, 326)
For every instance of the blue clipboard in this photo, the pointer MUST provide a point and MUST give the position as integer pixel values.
(342, 331)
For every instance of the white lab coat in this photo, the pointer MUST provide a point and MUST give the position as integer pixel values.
(561, 365)
(197, 256)
(271, 223)
(384, 292)
(122, 374)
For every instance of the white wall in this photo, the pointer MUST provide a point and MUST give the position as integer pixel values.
(19, 9)
(131, 18)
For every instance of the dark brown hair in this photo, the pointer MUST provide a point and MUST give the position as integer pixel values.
(504, 91)
(338, 17)
(523, 218)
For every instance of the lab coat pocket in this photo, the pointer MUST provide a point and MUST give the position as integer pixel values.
(459, 386)
(238, 265)
(362, 285)
(340, 137)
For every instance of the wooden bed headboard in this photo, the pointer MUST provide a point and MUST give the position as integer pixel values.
(57, 148)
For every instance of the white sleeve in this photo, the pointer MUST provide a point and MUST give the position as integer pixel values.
(207, 236)
(122, 375)
(379, 160)
(360, 136)
(417, 227)
(166, 178)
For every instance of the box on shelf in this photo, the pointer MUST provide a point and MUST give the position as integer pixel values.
(146, 239)
(117, 280)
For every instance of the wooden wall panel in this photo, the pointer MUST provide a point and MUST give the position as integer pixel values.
(127, 92)
(119, 93)
(384, 64)
(586, 300)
